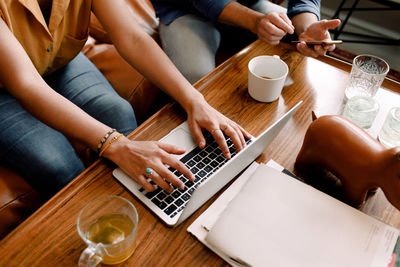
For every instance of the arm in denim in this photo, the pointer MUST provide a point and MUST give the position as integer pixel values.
(302, 6)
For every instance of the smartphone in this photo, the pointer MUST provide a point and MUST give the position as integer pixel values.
(319, 42)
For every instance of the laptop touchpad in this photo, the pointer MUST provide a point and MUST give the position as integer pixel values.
(181, 138)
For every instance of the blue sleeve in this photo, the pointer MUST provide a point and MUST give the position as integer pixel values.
(210, 8)
(300, 6)
(169, 10)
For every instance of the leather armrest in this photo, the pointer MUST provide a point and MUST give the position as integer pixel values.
(18, 200)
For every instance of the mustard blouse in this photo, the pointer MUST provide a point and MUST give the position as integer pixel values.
(48, 46)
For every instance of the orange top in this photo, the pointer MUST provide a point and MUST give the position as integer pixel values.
(48, 46)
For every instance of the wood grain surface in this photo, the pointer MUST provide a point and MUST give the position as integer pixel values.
(49, 237)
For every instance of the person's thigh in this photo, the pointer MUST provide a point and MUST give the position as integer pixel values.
(84, 85)
(40, 154)
(191, 42)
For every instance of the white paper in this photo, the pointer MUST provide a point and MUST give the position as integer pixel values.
(276, 220)
(200, 227)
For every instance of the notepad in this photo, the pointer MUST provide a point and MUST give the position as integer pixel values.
(275, 220)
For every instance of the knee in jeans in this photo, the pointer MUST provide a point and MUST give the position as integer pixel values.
(195, 74)
(57, 171)
(64, 172)
(123, 116)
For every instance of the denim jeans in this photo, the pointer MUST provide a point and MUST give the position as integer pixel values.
(44, 156)
(191, 41)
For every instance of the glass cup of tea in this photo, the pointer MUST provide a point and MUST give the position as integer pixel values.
(108, 225)
(366, 76)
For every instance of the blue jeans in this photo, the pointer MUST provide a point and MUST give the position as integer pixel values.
(191, 41)
(44, 156)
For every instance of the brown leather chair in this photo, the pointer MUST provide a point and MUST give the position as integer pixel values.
(17, 200)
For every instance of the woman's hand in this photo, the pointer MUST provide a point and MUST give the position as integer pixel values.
(134, 157)
(202, 116)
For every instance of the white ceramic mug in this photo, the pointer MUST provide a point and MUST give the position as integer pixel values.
(267, 75)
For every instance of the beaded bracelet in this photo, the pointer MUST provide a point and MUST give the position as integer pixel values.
(104, 139)
(115, 138)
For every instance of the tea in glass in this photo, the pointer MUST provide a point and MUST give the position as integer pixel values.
(111, 229)
(108, 226)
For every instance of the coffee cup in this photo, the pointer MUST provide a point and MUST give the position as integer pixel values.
(266, 77)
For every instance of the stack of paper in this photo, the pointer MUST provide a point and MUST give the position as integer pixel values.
(275, 220)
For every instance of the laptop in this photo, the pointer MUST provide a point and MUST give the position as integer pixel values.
(212, 171)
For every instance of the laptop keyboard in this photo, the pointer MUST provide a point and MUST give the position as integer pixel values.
(202, 163)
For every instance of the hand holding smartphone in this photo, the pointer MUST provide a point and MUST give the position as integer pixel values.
(319, 42)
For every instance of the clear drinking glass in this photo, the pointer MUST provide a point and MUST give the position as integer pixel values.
(389, 135)
(108, 226)
(367, 75)
(361, 110)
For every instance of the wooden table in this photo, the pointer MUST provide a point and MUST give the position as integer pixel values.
(49, 236)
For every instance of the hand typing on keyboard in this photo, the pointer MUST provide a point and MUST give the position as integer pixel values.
(203, 116)
(202, 163)
(146, 161)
